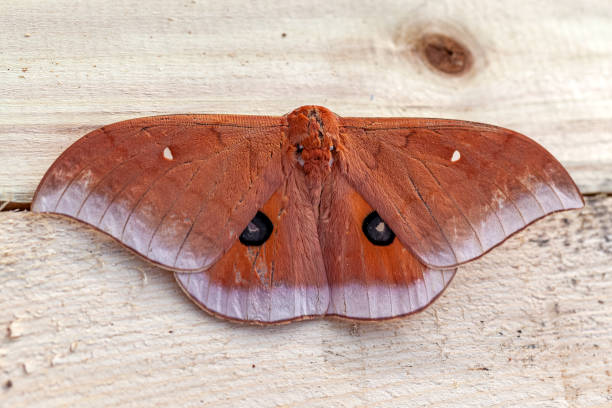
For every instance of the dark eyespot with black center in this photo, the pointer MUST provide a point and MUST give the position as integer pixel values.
(258, 231)
(299, 148)
(376, 231)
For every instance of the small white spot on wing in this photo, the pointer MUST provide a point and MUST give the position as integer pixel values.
(168, 154)
(456, 156)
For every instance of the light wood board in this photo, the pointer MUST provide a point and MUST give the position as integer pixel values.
(541, 68)
(85, 323)
(89, 324)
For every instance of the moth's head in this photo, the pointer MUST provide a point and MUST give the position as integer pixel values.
(313, 134)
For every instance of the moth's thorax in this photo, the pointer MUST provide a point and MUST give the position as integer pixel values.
(313, 132)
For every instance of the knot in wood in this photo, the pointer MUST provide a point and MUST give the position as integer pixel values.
(445, 54)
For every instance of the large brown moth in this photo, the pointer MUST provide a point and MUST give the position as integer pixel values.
(277, 218)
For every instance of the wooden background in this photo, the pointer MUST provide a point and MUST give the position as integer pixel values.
(87, 324)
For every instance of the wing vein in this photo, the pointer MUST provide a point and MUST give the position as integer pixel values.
(157, 179)
(141, 197)
(453, 200)
(118, 193)
(171, 207)
(365, 279)
(229, 215)
(397, 209)
(545, 182)
(457, 205)
(494, 183)
(202, 206)
(102, 129)
(498, 168)
(416, 189)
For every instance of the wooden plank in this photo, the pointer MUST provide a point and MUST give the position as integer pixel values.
(90, 324)
(86, 323)
(541, 68)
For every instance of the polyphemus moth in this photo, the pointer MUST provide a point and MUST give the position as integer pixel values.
(272, 219)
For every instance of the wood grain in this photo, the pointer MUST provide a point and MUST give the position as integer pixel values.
(90, 324)
(544, 70)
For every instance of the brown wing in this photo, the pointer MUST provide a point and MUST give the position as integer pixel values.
(282, 279)
(176, 189)
(370, 281)
(452, 190)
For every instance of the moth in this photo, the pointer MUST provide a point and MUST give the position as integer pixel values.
(270, 219)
